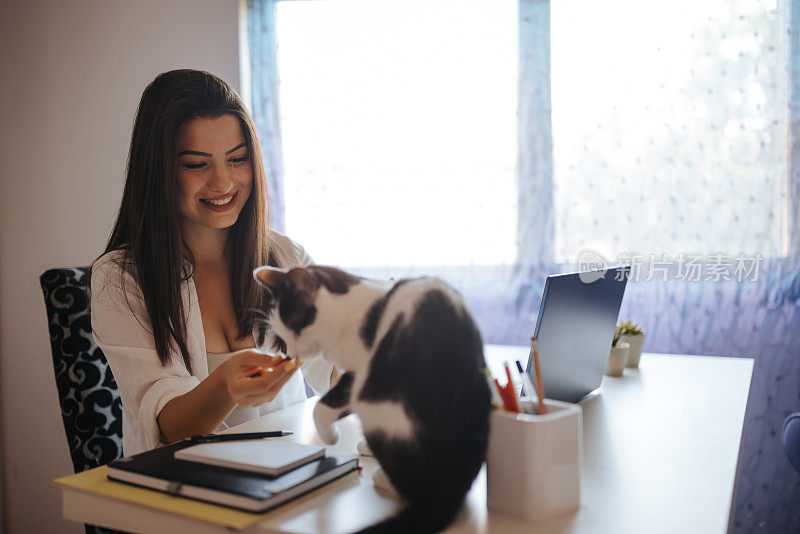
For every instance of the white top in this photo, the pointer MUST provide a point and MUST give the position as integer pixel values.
(121, 329)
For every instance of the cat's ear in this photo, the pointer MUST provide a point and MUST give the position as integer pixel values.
(270, 277)
(303, 282)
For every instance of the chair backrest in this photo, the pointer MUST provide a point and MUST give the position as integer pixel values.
(89, 397)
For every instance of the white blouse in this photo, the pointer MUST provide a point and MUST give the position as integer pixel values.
(121, 329)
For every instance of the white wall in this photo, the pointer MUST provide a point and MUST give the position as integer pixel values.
(71, 74)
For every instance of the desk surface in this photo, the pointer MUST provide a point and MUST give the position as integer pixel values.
(661, 450)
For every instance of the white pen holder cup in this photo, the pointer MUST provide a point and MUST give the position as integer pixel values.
(534, 462)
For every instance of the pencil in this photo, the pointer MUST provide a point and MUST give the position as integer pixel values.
(512, 393)
(538, 372)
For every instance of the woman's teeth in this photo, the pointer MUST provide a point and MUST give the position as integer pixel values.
(218, 202)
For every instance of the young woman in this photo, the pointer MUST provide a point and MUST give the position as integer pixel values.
(174, 305)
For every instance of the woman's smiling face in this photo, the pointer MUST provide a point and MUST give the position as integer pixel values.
(214, 171)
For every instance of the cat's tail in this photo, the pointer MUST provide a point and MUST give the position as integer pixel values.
(418, 518)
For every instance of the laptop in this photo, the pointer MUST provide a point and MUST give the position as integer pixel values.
(575, 330)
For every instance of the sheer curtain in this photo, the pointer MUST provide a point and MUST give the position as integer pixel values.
(262, 51)
(665, 137)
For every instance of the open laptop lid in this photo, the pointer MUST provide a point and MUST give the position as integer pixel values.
(575, 330)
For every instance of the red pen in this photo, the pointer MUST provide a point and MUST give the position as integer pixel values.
(507, 406)
(512, 393)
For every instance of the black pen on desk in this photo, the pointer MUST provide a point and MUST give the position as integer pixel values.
(215, 438)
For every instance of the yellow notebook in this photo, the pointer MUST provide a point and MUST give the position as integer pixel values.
(95, 481)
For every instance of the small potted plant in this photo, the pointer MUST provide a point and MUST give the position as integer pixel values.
(618, 356)
(632, 334)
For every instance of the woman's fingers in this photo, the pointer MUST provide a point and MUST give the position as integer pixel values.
(282, 375)
(288, 371)
(251, 358)
(245, 384)
(251, 389)
(267, 389)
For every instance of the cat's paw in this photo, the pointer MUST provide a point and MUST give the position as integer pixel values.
(329, 435)
(363, 448)
(324, 418)
(382, 484)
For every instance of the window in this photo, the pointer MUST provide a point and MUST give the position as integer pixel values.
(660, 112)
(398, 124)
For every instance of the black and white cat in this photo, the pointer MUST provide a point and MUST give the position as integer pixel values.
(412, 363)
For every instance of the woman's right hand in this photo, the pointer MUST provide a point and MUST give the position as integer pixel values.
(253, 377)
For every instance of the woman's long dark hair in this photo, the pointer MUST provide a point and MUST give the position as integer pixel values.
(148, 226)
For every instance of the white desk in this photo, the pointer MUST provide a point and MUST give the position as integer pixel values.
(661, 450)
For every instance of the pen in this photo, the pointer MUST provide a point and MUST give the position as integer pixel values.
(214, 438)
(507, 406)
(527, 387)
(512, 393)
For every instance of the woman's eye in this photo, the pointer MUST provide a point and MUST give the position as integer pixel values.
(194, 165)
(240, 159)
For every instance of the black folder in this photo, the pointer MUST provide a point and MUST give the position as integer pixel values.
(160, 470)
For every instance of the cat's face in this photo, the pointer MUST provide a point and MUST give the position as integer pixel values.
(301, 312)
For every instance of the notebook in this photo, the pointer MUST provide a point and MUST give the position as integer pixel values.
(254, 492)
(269, 457)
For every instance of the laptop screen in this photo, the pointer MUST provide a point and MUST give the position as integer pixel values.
(575, 330)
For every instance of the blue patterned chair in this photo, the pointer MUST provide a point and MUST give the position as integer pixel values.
(90, 404)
